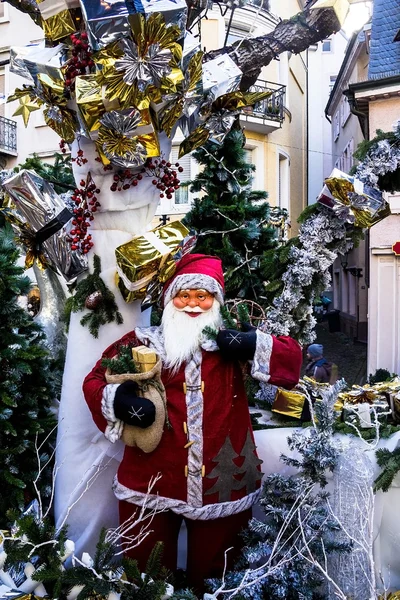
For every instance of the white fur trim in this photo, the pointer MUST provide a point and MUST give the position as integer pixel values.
(193, 281)
(203, 513)
(194, 410)
(260, 368)
(114, 427)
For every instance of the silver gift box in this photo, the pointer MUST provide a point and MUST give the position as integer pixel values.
(107, 21)
(35, 203)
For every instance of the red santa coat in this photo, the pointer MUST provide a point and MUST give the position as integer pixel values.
(207, 459)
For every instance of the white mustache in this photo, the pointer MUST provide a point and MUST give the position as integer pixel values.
(191, 310)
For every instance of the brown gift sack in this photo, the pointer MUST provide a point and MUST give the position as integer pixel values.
(150, 387)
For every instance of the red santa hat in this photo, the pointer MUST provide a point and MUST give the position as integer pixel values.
(196, 271)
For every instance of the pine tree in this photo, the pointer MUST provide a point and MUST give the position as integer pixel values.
(26, 387)
(231, 218)
(59, 174)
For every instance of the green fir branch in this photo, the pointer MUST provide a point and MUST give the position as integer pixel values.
(122, 363)
(105, 312)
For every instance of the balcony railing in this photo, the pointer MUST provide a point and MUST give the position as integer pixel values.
(272, 107)
(8, 136)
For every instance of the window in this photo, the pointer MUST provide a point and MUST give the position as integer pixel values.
(283, 182)
(327, 45)
(181, 195)
(3, 12)
(346, 111)
(332, 81)
(235, 34)
(336, 126)
(248, 156)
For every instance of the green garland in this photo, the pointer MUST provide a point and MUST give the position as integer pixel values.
(105, 312)
(390, 464)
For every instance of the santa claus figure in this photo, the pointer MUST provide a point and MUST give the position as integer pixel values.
(210, 472)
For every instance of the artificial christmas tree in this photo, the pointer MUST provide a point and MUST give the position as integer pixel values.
(27, 387)
(231, 218)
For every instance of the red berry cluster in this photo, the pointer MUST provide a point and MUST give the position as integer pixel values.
(80, 62)
(63, 146)
(86, 204)
(163, 173)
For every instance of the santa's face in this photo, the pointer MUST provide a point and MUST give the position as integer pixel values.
(183, 322)
(193, 302)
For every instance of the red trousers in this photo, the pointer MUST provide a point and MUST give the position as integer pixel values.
(207, 542)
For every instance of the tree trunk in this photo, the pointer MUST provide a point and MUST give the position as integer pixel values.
(294, 35)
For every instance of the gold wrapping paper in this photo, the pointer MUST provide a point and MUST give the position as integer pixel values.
(146, 258)
(59, 26)
(353, 201)
(91, 101)
(144, 358)
(289, 404)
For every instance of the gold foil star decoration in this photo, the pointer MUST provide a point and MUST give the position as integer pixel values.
(26, 106)
(341, 7)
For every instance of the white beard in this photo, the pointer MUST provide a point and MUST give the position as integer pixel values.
(183, 334)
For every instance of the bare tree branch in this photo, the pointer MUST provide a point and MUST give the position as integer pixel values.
(294, 35)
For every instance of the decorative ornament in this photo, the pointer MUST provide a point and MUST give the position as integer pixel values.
(105, 311)
(153, 55)
(93, 300)
(25, 108)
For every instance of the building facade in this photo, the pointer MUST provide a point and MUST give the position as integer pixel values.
(376, 102)
(350, 272)
(324, 63)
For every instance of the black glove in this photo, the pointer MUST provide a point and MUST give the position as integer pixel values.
(131, 408)
(239, 345)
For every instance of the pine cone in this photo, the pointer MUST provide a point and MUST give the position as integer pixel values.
(94, 300)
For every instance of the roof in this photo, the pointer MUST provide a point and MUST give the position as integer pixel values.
(384, 51)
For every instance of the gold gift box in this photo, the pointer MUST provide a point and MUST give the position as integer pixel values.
(147, 258)
(91, 101)
(144, 358)
(291, 404)
(57, 18)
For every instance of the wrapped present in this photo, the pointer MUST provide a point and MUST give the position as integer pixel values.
(362, 415)
(42, 222)
(38, 60)
(352, 201)
(151, 258)
(108, 22)
(57, 18)
(289, 404)
(145, 358)
(294, 404)
(221, 76)
(359, 394)
(91, 103)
